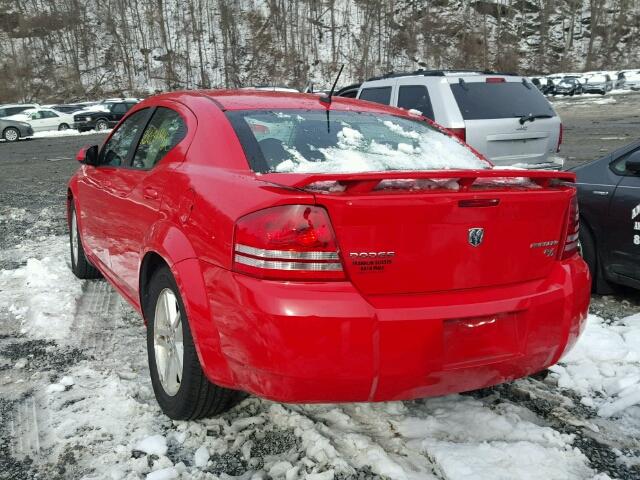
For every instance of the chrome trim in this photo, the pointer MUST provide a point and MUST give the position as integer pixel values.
(272, 265)
(284, 254)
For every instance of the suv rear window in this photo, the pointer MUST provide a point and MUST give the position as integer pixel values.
(314, 141)
(378, 95)
(481, 101)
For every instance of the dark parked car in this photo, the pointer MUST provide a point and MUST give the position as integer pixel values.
(12, 130)
(609, 197)
(568, 86)
(102, 116)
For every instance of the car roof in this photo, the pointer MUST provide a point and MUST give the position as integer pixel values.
(263, 100)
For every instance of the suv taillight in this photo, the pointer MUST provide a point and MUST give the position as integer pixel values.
(461, 133)
(559, 138)
(570, 246)
(289, 242)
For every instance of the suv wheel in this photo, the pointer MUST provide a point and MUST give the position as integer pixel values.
(102, 125)
(11, 134)
(181, 388)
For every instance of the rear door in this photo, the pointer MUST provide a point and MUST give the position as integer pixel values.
(492, 108)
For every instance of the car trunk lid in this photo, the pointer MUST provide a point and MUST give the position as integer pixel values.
(419, 232)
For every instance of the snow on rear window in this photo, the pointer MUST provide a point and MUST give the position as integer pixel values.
(297, 141)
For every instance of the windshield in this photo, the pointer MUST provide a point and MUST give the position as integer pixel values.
(598, 79)
(318, 141)
(482, 101)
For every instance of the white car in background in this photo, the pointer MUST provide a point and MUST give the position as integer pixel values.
(503, 116)
(43, 119)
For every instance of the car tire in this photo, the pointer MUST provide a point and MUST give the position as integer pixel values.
(101, 125)
(185, 394)
(63, 126)
(11, 134)
(80, 265)
(589, 252)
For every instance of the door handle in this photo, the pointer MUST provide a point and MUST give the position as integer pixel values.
(600, 192)
(150, 193)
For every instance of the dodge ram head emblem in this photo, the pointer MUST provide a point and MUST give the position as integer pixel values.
(475, 236)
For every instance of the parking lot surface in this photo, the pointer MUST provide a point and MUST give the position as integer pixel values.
(76, 402)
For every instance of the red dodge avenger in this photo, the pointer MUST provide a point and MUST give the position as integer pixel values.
(309, 249)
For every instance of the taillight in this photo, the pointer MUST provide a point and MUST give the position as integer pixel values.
(289, 242)
(570, 247)
(460, 133)
(559, 138)
(495, 80)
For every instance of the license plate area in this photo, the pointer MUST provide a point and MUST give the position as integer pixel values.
(481, 340)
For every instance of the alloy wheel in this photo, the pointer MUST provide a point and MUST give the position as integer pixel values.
(75, 248)
(11, 135)
(168, 341)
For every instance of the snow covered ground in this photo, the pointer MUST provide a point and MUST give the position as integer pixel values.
(76, 402)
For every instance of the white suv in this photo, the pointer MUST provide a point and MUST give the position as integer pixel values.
(503, 116)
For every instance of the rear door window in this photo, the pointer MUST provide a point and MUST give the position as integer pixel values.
(165, 130)
(378, 95)
(415, 97)
(481, 101)
(119, 108)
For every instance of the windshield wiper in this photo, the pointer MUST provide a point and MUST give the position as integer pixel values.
(531, 117)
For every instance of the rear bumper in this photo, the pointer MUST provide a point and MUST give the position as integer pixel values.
(325, 342)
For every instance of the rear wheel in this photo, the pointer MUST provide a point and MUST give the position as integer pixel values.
(599, 283)
(11, 134)
(181, 388)
(80, 265)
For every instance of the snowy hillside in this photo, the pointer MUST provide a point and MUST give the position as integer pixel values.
(66, 49)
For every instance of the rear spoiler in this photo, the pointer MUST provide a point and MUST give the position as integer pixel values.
(366, 182)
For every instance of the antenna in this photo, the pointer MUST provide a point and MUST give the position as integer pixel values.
(327, 98)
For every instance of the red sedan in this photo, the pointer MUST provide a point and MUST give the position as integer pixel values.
(307, 250)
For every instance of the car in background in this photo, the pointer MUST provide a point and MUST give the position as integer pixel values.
(503, 116)
(13, 130)
(102, 116)
(68, 108)
(14, 108)
(609, 199)
(368, 255)
(628, 80)
(568, 86)
(44, 119)
(598, 83)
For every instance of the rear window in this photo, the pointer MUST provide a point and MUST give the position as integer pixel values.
(378, 95)
(312, 141)
(481, 101)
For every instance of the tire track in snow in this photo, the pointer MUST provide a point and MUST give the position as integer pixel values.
(24, 428)
(600, 440)
(96, 316)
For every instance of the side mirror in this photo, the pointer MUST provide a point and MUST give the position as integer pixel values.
(88, 155)
(632, 163)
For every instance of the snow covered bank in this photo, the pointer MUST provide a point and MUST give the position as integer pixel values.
(604, 367)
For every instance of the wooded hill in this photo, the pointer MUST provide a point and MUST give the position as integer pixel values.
(64, 50)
